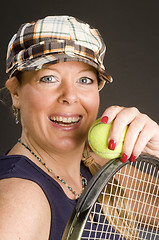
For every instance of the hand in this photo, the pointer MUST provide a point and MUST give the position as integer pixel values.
(142, 134)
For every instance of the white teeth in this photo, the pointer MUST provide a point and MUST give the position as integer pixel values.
(59, 119)
(65, 119)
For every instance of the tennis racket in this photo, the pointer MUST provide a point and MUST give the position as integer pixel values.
(120, 202)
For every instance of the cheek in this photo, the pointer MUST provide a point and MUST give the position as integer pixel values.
(34, 105)
(33, 99)
(92, 104)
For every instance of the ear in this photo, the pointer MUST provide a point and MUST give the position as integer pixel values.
(13, 86)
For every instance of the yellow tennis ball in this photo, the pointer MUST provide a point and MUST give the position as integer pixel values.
(98, 140)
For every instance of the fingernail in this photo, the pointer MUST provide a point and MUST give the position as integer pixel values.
(124, 158)
(132, 158)
(104, 119)
(112, 145)
(90, 148)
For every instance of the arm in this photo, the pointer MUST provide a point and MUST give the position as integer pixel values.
(25, 212)
(146, 205)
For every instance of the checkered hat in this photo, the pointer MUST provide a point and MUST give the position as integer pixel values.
(56, 39)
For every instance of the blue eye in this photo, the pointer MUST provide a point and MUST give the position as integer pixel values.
(48, 79)
(85, 80)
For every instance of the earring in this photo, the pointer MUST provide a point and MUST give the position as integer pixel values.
(16, 114)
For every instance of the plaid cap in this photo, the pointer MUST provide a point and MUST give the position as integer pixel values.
(56, 39)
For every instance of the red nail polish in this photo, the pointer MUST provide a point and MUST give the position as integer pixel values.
(124, 158)
(90, 148)
(132, 158)
(104, 119)
(112, 145)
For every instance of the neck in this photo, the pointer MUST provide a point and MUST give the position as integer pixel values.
(82, 184)
(63, 162)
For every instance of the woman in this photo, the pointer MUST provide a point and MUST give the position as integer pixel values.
(55, 68)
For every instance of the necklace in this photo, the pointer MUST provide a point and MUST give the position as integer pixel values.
(83, 179)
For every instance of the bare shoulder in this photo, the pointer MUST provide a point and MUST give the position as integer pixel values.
(25, 211)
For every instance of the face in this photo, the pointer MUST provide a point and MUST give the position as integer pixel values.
(58, 104)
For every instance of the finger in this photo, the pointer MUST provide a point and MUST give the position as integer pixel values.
(132, 135)
(144, 139)
(139, 133)
(110, 113)
(122, 119)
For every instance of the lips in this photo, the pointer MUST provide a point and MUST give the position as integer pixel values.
(65, 120)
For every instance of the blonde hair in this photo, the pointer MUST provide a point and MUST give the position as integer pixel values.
(114, 216)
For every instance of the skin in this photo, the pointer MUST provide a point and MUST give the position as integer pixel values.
(142, 134)
(73, 91)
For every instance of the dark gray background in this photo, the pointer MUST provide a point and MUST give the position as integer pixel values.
(130, 29)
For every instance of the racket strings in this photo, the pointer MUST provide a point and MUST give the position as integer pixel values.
(128, 205)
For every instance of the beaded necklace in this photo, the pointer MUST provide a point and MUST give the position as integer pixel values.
(83, 180)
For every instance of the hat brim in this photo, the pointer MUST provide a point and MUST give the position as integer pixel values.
(39, 62)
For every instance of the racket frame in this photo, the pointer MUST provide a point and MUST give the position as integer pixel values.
(76, 224)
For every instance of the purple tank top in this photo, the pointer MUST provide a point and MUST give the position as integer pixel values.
(61, 206)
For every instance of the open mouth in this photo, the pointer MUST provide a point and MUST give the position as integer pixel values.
(65, 121)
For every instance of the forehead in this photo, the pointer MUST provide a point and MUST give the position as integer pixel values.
(76, 66)
(61, 68)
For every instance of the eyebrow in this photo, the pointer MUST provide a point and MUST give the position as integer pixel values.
(89, 69)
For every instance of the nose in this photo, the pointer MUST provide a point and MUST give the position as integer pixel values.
(68, 93)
